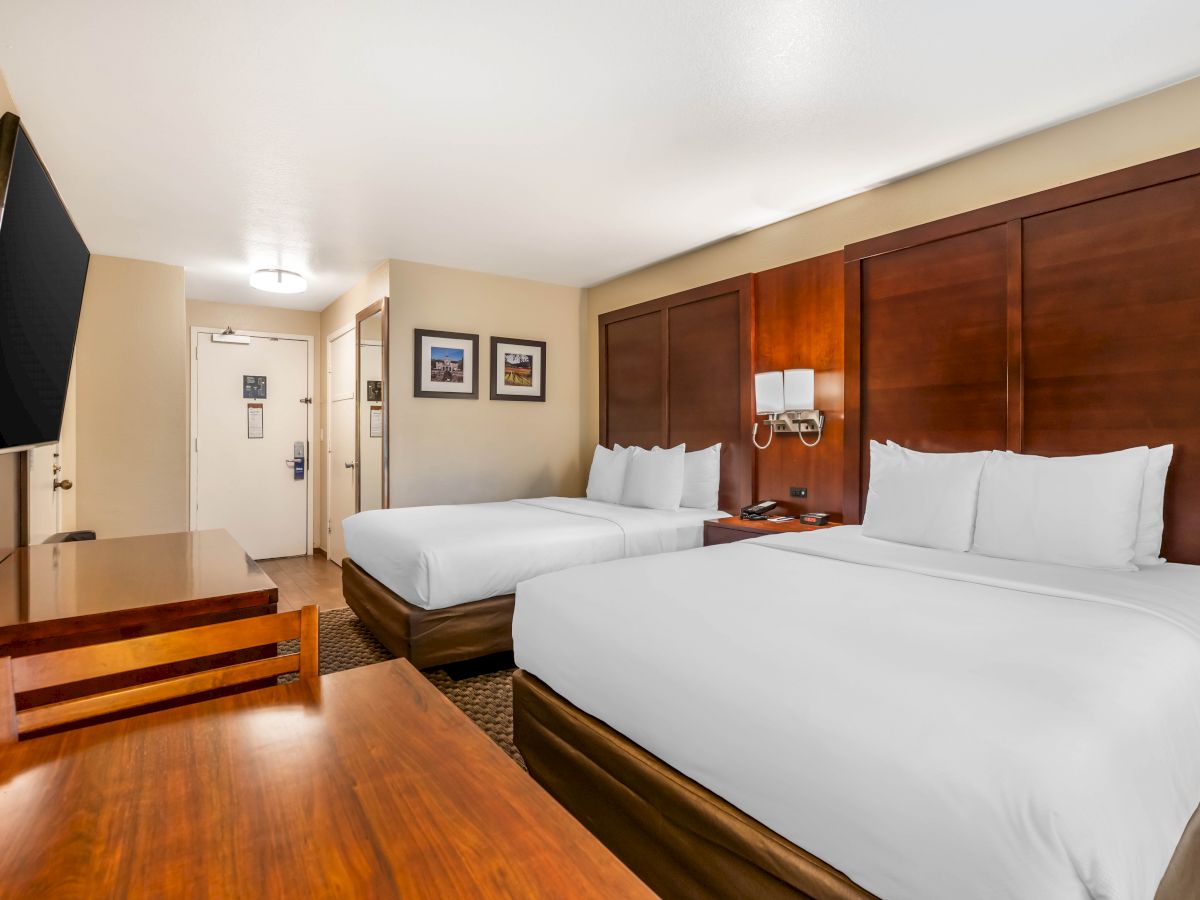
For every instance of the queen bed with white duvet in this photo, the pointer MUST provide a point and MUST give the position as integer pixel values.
(435, 583)
(922, 722)
(441, 556)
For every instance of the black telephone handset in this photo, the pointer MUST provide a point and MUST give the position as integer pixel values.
(758, 510)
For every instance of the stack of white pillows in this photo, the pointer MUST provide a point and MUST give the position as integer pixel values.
(656, 478)
(1102, 511)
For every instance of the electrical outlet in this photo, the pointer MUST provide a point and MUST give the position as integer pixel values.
(800, 492)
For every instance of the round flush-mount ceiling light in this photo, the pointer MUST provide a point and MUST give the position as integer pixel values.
(278, 281)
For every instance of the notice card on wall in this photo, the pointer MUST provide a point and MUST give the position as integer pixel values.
(254, 420)
(377, 421)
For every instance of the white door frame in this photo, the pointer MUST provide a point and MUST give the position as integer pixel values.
(193, 473)
(328, 429)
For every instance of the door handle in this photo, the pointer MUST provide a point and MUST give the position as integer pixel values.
(66, 484)
(289, 462)
(350, 465)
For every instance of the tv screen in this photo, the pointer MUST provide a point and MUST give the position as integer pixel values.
(43, 265)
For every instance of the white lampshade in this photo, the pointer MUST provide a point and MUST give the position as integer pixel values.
(768, 392)
(798, 389)
(278, 281)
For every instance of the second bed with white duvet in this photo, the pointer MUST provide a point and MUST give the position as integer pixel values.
(933, 724)
(440, 556)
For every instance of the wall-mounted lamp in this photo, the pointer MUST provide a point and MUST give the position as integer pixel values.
(787, 400)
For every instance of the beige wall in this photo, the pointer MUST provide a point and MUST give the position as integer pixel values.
(1147, 128)
(334, 317)
(459, 451)
(6, 100)
(131, 391)
(273, 320)
(10, 469)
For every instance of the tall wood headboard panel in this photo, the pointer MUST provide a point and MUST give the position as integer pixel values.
(1061, 323)
(678, 370)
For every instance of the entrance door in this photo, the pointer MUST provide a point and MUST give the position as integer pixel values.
(251, 416)
(43, 493)
(341, 456)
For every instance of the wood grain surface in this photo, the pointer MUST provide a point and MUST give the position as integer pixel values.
(367, 783)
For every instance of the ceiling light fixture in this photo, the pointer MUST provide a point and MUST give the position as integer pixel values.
(278, 281)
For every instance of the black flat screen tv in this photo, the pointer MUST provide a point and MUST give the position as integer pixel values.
(43, 265)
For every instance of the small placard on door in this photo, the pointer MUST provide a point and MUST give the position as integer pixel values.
(376, 421)
(254, 421)
(254, 387)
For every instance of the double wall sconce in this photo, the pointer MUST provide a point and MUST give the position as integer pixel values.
(787, 399)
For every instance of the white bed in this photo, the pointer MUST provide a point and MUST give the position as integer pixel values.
(440, 556)
(928, 722)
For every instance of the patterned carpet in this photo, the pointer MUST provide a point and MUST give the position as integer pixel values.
(481, 689)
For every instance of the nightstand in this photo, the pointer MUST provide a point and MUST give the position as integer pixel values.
(733, 528)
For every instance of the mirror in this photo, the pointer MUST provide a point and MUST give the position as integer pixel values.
(371, 406)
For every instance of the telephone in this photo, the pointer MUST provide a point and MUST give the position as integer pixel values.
(758, 510)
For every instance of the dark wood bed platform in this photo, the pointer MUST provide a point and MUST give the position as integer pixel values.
(428, 637)
(1061, 323)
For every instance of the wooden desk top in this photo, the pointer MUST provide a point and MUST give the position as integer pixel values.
(372, 784)
(84, 578)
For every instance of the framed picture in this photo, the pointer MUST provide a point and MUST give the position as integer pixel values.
(518, 369)
(447, 364)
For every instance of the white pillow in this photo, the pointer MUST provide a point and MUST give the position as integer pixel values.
(1150, 516)
(701, 478)
(653, 479)
(606, 479)
(1069, 510)
(927, 499)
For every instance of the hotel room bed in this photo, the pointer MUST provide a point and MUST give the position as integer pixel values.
(922, 723)
(435, 583)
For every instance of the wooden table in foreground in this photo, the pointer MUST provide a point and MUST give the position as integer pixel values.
(371, 784)
(54, 596)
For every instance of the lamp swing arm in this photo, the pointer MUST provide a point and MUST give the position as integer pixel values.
(786, 399)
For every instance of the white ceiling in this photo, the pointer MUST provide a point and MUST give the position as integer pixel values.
(548, 139)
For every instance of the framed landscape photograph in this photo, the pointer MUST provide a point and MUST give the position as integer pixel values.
(447, 363)
(518, 369)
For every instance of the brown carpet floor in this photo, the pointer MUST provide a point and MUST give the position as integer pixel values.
(481, 689)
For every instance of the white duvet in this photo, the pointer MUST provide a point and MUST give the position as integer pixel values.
(934, 724)
(438, 556)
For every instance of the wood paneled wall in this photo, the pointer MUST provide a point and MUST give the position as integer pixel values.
(798, 324)
(1062, 323)
(678, 370)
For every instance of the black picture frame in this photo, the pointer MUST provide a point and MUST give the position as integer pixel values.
(419, 363)
(540, 346)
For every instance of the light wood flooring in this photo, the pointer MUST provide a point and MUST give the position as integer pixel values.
(305, 579)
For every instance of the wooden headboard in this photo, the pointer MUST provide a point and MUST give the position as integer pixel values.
(1061, 323)
(678, 370)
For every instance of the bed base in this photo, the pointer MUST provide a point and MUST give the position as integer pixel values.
(428, 637)
(679, 837)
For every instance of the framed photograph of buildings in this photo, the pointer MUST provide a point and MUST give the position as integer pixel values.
(447, 364)
(518, 369)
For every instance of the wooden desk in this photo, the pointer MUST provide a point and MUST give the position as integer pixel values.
(735, 528)
(372, 784)
(67, 595)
